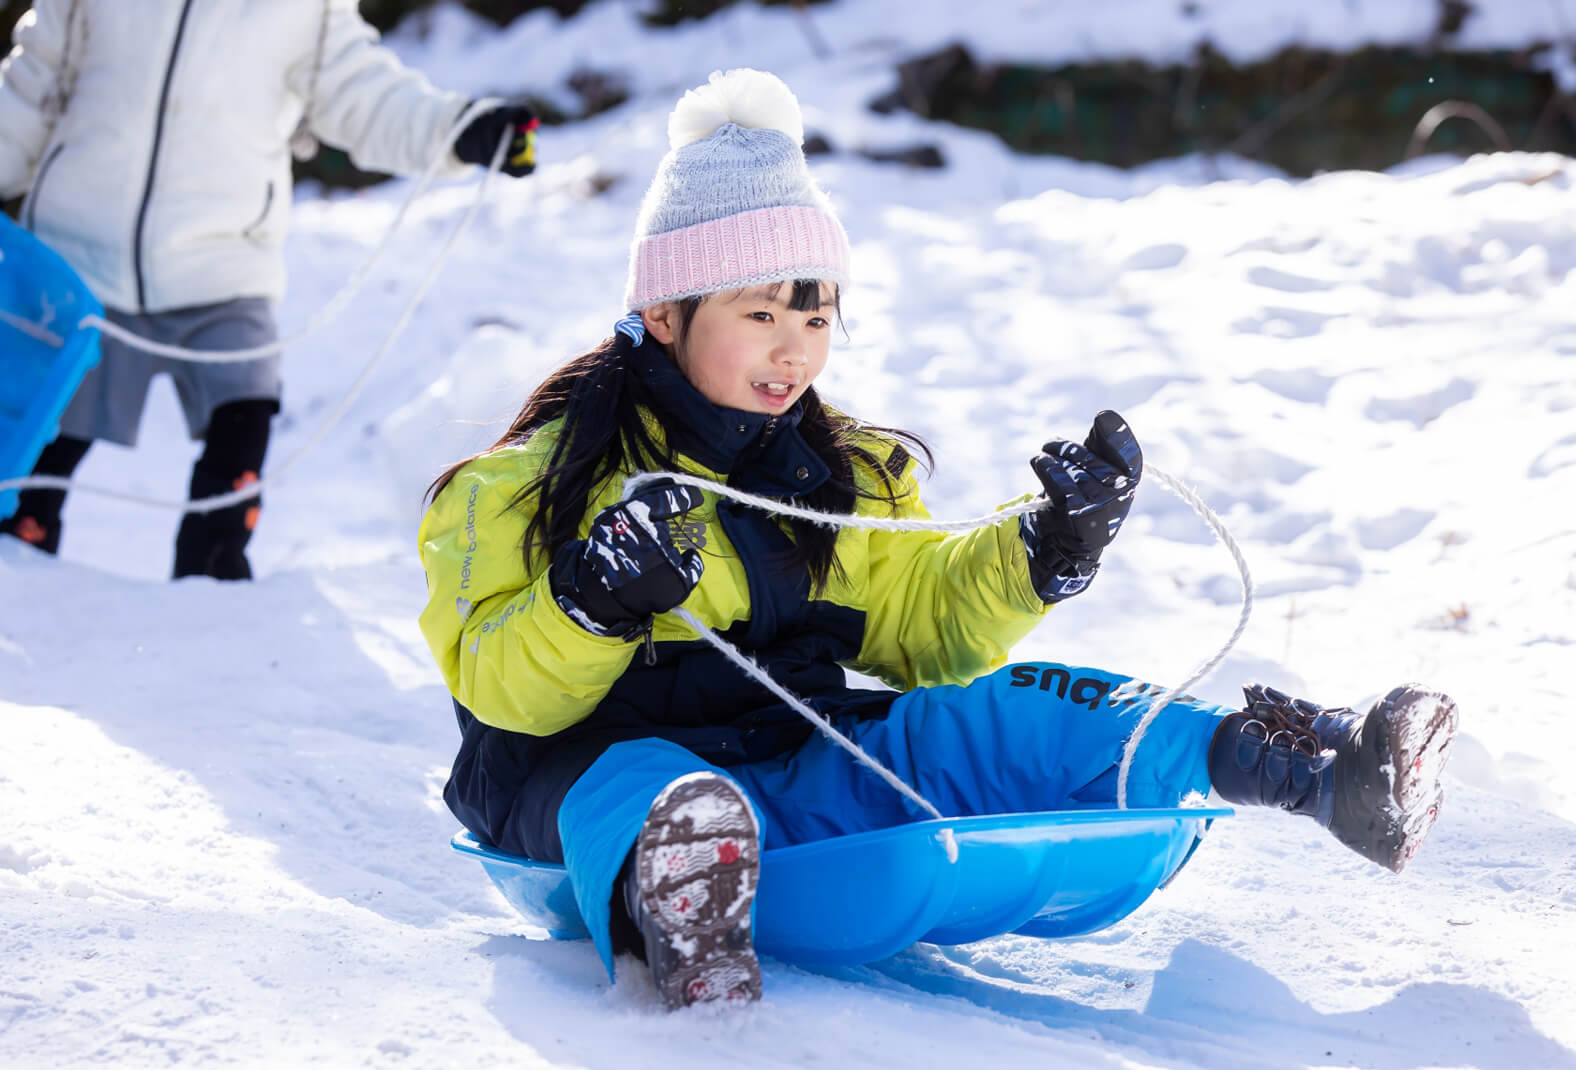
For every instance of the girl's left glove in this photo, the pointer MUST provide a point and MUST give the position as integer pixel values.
(478, 141)
(1089, 490)
(627, 570)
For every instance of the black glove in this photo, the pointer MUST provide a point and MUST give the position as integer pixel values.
(478, 141)
(627, 569)
(1090, 488)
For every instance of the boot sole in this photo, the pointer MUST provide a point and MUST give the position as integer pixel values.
(697, 862)
(1419, 728)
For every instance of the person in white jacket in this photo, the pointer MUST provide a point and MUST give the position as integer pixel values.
(153, 143)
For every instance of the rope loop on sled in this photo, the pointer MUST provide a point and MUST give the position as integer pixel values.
(840, 520)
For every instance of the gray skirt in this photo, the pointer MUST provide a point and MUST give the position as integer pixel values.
(109, 403)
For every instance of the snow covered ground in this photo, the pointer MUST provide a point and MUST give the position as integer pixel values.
(221, 837)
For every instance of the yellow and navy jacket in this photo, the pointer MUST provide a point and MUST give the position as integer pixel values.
(539, 698)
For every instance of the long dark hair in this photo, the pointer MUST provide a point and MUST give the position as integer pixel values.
(600, 400)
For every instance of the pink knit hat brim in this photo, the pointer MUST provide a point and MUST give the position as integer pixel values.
(737, 251)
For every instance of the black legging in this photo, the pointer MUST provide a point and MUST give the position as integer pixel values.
(214, 544)
(37, 516)
(208, 544)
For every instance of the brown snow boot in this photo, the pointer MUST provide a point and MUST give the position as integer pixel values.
(1372, 780)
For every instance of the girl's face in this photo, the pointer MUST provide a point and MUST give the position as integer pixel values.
(747, 349)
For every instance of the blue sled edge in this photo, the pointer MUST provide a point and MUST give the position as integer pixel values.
(855, 899)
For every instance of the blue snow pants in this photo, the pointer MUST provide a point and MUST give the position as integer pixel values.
(1031, 736)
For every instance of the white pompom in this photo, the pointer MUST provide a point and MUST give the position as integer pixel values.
(753, 99)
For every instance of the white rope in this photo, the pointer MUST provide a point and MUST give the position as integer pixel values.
(835, 520)
(752, 669)
(276, 472)
(1207, 666)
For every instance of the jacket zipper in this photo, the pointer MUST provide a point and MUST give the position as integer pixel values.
(268, 202)
(38, 183)
(153, 160)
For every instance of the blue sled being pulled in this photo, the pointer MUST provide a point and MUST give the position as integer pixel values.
(43, 352)
(856, 899)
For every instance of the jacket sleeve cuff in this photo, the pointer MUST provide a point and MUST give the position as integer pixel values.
(1015, 563)
(565, 632)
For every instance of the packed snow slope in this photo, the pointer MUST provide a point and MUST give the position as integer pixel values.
(221, 836)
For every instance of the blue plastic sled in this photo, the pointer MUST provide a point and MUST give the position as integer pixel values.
(856, 899)
(43, 353)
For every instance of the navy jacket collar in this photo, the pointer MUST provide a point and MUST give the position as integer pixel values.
(757, 452)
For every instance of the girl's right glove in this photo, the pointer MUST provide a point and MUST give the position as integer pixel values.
(627, 570)
(1090, 490)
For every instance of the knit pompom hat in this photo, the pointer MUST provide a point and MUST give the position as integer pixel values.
(733, 204)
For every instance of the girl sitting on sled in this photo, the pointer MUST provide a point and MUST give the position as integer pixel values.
(600, 731)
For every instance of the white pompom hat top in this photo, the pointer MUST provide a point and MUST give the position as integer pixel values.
(733, 204)
(755, 100)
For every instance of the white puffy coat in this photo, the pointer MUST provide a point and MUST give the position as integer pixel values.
(152, 139)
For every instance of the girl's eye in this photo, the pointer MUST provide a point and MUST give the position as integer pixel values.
(818, 322)
(761, 317)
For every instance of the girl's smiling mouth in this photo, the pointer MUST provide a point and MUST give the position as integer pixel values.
(774, 393)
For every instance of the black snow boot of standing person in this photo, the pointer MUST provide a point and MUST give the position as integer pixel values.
(691, 888)
(1372, 780)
